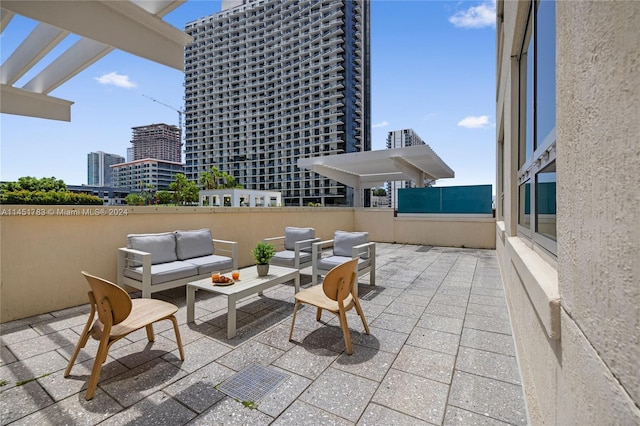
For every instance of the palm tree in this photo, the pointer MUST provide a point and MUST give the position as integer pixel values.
(207, 180)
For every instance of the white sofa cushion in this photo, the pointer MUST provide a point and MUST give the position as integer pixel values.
(162, 246)
(190, 244)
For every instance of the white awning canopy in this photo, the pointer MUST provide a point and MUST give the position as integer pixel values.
(104, 25)
(370, 169)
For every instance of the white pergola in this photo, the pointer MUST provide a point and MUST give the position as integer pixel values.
(104, 25)
(370, 169)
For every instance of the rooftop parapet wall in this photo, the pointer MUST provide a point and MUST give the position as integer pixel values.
(44, 248)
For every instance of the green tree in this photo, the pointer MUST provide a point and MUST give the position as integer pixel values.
(30, 190)
(164, 197)
(191, 192)
(216, 179)
(146, 192)
(184, 190)
(207, 180)
(379, 192)
(134, 199)
(29, 183)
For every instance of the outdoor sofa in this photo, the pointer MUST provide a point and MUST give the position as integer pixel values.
(157, 262)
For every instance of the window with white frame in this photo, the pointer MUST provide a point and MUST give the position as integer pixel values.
(537, 127)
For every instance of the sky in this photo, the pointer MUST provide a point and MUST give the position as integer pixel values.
(432, 70)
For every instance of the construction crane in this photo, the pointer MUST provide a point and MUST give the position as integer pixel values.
(179, 111)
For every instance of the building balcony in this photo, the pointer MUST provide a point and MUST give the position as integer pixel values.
(440, 332)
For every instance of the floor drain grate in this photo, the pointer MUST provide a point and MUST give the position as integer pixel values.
(253, 383)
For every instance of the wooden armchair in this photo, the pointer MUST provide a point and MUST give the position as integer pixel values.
(337, 295)
(118, 315)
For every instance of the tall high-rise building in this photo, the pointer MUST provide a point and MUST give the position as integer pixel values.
(98, 170)
(400, 139)
(157, 141)
(271, 81)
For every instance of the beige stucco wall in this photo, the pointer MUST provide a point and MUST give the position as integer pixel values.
(589, 374)
(599, 107)
(41, 256)
(383, 226)
(448, 232)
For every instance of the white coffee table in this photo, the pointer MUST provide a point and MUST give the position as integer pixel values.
(250, 283)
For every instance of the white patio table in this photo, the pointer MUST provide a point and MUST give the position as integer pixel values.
(248, 284)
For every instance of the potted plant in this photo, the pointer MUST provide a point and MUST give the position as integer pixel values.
(262, 254)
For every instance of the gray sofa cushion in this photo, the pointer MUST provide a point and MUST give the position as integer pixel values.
(161, 246)
(293, 235)
(328, 263)
(213, 262)
(190, 244)
(343, 242)
(164, 272)
(287, 258)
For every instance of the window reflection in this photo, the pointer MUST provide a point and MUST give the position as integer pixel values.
(524, 207)
(546, 201)
(526, 80)
(537, 125)
(529, 105)
(545, 71)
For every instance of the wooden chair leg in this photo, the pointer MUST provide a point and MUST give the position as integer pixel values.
(84, 337)
(361, 313)
(150, 335)
(345, 331)
(178, 339)
(101, 355)
(318, 314)
(293, 320)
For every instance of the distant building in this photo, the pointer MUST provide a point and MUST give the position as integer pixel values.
(111, 196)
(134, 175)
(379, 201)
(157, 141)
(269, 82)
(130, 154)
(98, 167)
(400, 139)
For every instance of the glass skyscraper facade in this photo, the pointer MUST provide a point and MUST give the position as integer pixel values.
(268, 82)
(98, 168)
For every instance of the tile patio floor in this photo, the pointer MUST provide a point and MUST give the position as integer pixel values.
(440, 352)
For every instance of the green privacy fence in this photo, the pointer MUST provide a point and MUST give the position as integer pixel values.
(473, 199)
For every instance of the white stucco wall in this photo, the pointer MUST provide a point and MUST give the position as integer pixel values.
(599, 179)
(590, 372)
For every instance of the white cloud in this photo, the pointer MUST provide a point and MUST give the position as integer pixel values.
(381, 124)
(483, 15)
(115, 79)
(472, 122)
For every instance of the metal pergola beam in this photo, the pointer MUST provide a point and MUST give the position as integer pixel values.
(120, 24)
(104, 25)
(75, 59)
(23, 102)
(37, 44)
